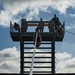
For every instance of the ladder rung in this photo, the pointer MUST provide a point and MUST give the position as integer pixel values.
(33, 43)
(38, 57)
(38, 72)
(38, 48)
(38, 52)
(37, 62)
(38, 67)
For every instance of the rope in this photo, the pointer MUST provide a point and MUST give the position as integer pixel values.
(31, 69)
(69, 32)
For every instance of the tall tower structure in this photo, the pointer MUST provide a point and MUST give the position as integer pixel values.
(48, 38)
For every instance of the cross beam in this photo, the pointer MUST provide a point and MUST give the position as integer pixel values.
(35, 23)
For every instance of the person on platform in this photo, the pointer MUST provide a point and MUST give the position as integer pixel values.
(41, 25)
(24, 25)
(16, 27)
(56, 21)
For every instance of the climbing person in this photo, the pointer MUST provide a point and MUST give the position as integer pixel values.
(24, 25)
(16, 27)
(39, 39)
(41, 25)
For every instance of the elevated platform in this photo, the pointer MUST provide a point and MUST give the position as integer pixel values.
(28, 36)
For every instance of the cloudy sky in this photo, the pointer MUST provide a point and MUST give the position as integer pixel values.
(14, 10)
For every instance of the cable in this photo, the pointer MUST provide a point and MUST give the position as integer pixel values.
(69, 32)
(65, 30)
(31, 69)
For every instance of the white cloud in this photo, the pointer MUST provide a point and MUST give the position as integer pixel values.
(10, 61)
(66, 66)
(62, 56)
(14, 8)
(72, 15)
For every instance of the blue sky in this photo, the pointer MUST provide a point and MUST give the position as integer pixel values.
(14, 10)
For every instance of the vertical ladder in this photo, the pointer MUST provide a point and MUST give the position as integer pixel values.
(42, 68)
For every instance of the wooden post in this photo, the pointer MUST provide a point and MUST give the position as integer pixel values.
(21, 55)
(53, 55)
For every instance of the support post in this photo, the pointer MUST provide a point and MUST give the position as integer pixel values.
(53, 55)
(21, 55)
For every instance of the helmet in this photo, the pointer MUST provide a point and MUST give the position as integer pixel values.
(55, 15)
